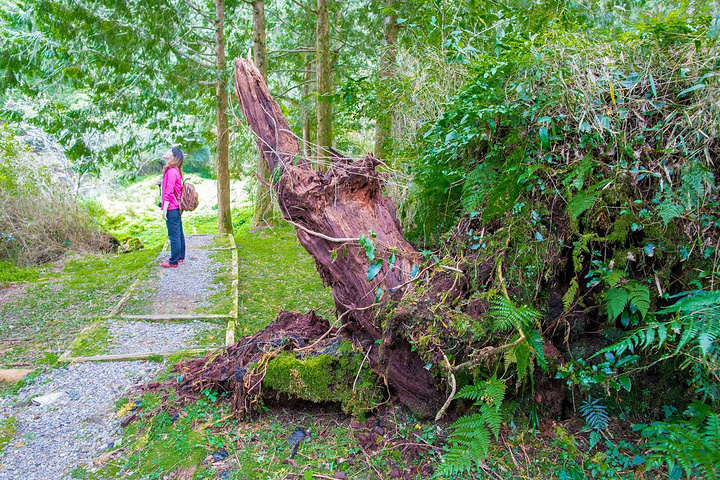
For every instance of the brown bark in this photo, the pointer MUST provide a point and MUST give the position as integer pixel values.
(384, 120)
(324, 79)
(332, 208)
(306, 112)
(223, 141)
(263, 198)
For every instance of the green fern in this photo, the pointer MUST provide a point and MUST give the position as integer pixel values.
(633, 295)
(570, 295)
(508, 316)
(469, 441)
(595, 414)
(690, 446)
(580, 246)
(697, 324)
(580, 203)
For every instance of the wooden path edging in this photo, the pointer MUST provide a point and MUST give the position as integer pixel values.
(229, 330)
(134, 356)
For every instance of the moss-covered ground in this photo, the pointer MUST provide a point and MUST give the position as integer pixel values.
(276, 273)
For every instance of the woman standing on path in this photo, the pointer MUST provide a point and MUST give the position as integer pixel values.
(170, 198)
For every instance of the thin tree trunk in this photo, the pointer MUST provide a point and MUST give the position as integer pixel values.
(263, 197)
(384, 120)
(324, 77)
(223, 140)
(306, 112)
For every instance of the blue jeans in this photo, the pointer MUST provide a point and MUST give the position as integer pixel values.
(176, 236)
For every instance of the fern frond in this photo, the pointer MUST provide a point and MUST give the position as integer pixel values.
(615, 301)
(535, 340)
(638, 297)
(465, 424)
(521, 353)
(570, 295)
(595, 414)
(579, 203)
(692, 447)
(455, 461)
(507, 315)
(492, 417)
(470, 436)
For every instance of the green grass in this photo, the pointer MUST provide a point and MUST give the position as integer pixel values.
(8, 427)
(276, 273)
(93, 341)
(210, 337)
(159, 445)
(11, 273)
(57, 305)
(222, 300)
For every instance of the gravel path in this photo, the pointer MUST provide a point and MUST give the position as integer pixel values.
(184, 289)
(52, 440)
(145, 337)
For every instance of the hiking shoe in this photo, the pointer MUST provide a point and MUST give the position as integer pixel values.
(168, 265)
(181, 261)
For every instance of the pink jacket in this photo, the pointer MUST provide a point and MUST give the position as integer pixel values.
(172, 188)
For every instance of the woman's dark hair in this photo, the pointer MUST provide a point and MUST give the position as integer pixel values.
(177, 153)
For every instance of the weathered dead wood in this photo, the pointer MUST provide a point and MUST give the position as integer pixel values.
(344, 201)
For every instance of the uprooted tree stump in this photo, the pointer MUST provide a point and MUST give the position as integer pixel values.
(291, 357)
(398, 313)
(350, 228)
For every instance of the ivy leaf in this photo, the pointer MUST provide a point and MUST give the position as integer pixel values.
(625, 382)
(369, 247)
(544, 139)
(379, 294)
(374, 269)
(391, 260)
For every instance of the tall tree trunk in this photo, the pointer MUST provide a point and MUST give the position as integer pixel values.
(263, 197)
(223, 140)
(307, 141)
(324, 78)
(332, 210)
(385, 117)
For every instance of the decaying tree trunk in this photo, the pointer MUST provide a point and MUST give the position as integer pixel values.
(331, 210)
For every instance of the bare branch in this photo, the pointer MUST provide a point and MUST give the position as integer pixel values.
(198, 10)
(304, 7)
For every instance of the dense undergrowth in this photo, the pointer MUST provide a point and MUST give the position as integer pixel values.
(576, 172)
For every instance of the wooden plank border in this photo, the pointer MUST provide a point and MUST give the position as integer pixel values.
(232, 323)
(134, 356)
(170, 317)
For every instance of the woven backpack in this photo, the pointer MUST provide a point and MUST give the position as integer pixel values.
(188, 197)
